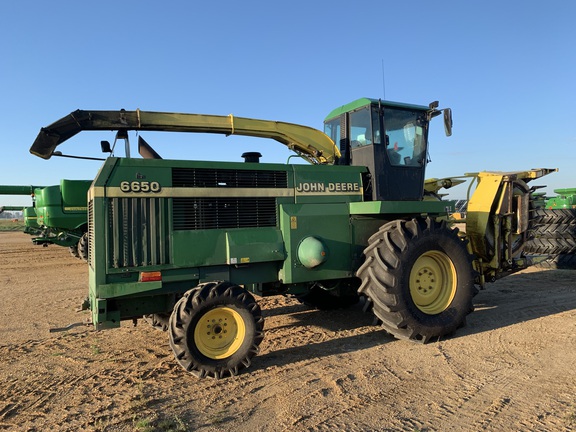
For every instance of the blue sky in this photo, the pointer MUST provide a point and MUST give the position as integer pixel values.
(506, 68)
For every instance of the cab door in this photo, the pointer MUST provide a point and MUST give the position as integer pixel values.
(391, 143)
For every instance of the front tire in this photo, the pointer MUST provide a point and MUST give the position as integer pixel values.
(418, 279)
(215, 329)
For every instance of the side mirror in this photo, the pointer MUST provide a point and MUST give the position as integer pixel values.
(105, 146)
(448, 121)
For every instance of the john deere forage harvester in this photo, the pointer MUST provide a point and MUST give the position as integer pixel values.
(189, 243)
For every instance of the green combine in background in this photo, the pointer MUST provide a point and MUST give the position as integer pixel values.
(58, 214)
(28, 213)
(566, 199)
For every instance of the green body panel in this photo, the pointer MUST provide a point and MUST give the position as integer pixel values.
(251, 245)
(413, 208)
(31, 220)
(61, 210)
(566, 199)
(328, 223)
(227, 247)
(63, 206)
(196, 248)
(247, 223)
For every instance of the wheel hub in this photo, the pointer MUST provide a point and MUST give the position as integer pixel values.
(219, 333)
(427, 281)
(433, 282)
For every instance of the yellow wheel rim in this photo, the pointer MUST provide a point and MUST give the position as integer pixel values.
(219, 333)
(433, 282)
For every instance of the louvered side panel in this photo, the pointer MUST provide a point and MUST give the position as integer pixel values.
(91, 233)
(245, 178)
(223, 213)
(138, 232)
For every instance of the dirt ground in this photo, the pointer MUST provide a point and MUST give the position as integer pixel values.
(511, 368)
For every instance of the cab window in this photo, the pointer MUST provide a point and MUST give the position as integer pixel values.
(332, 129)
(360, 128)
(405, 137)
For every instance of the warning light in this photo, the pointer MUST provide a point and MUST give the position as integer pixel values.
(150, 276)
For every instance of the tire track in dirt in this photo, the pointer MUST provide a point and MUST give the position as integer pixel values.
(508, 386)
(279, 390)
(82, 369)
(510, 369)
(329, 397)
(298, 348)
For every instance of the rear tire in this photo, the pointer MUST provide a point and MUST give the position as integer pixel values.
(551, 246)
(74, 251)
(215, 329)
(560, 261)
(83, 247)
(548, 223)
(158, 321)
(418, 279)
(554, 234)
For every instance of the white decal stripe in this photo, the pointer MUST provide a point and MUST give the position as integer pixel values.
(169, 192)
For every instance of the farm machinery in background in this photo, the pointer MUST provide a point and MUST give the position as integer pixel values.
(565, 199)
(554, 229)
(188, 244)
(28, 213)
(11, 209)
(7, 209)
(28, 216)
(58, 214)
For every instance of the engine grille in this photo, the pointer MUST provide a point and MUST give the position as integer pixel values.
(138, 233)
(196, 213)
(222, 213)
(205, 177)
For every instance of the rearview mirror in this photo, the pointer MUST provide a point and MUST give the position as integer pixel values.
(105, 146)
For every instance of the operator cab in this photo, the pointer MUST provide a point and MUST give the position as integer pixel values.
(388, 138)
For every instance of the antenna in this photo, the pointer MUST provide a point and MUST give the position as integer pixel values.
(383, 82)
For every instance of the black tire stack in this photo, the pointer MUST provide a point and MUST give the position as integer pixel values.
(553, 233)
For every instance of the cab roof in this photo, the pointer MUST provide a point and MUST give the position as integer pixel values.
(358, 103)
